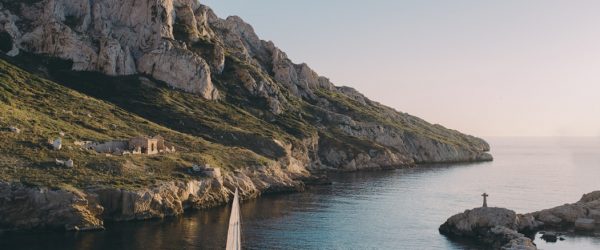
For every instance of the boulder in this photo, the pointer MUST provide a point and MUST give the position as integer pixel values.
(494, 226)
(520, 243)
(57, 144)
(207, 170)
(590, 197)
(561, 216)
(14, 129)
(197, 168)
(583, 224)
(471, 222)
(484, 156)
(528, 223)
(550, 236)
(213, 173)
(567, 215)
(69, 163)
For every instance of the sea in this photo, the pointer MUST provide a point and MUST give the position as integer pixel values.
(392, 209)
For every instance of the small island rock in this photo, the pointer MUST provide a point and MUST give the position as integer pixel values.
(494, 226)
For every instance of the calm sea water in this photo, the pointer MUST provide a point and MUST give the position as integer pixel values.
(398, 209)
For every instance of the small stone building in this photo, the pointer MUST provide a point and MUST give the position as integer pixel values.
(146, 145)
(137, 145)
(110, 147)
(160, 143)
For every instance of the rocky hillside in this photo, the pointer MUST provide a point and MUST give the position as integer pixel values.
(112, 69)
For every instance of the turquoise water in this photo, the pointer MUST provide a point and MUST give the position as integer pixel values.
(398, 209)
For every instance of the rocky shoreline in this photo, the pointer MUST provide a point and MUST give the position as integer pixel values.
(501, 228)
(26, 208)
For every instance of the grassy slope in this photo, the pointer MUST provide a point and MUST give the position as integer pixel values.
(42, 109)
(238, 120)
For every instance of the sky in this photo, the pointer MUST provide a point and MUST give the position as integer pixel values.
(487, 68)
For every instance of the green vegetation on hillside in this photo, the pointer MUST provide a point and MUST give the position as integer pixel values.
(42, 109)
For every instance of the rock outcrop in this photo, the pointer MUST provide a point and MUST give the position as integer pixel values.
(166, 199)
(31, 208)
(129, 37)
(497, 227)
(503, 228)
(173, 198)
(111, 36)
(582, 215)
(180, 68)
(26, 208)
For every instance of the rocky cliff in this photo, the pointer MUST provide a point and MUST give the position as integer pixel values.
(185, 45)
(583, 215)
(24, 207)
(496, 227)
(106, 69)
(71, 209)
(502, 228)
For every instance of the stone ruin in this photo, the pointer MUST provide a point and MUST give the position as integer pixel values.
(136, 146)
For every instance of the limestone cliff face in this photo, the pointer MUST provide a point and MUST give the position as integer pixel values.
(166, 199)
(173, 198)
(240, 38)
(111, 36)
(129, 37)
(24, 207)
(185, 45)
(33, 208)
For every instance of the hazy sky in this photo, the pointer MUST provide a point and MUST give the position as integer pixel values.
(488, 68)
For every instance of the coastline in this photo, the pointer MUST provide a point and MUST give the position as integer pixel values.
(31, 209)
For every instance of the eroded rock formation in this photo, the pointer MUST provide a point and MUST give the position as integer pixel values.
(503, 228)
(110, 36)
(23, 208)
(567, 215)
(497, 227)
(32, 208)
